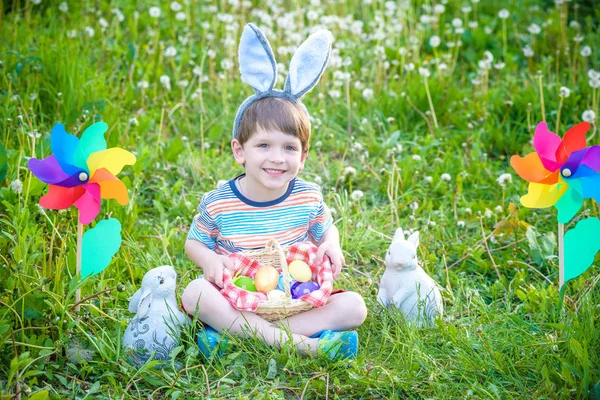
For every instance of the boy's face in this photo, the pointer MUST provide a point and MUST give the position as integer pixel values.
(272, 159)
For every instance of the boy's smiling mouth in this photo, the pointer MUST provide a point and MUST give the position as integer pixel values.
(273, 171)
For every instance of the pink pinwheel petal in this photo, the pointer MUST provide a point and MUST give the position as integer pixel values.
(47, 170)
(546, 144)
(89, 203)
(573, 140)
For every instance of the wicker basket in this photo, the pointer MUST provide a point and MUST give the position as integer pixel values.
(273, 254)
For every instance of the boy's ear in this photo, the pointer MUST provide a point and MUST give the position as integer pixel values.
(303, 159)
(238, 151)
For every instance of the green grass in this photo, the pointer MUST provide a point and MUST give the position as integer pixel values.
(503, 335)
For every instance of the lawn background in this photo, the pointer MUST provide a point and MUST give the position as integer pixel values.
(406, 132)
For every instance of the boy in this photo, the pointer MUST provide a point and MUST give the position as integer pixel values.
(271, 141)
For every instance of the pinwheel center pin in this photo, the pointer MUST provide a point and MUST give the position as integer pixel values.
(566, 172)
(83, 176)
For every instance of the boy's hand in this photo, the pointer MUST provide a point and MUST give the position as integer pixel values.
(336, 257)
(213, 271)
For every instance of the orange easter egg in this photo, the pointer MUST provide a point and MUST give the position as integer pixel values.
(300, 271)
(266, 279)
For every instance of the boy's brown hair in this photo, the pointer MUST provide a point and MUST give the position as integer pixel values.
(273, 113)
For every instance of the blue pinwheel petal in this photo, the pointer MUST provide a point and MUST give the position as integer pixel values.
(63, 147)
(92, 140)
(591, 186)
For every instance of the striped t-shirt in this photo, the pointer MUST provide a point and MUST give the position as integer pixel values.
(227, 222)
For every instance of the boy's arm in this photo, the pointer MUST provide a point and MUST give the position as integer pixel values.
(212, 264)
(329, 246)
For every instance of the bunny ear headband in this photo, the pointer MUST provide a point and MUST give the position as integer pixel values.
(259, 70)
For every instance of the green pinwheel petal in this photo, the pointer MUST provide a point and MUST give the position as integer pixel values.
(581, 246)
(569, 203)
(99, 245)
(92, 140)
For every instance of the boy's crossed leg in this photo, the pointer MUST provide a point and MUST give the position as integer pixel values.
(343, 311)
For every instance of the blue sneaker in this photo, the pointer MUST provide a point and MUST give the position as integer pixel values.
(338, 345)
(212, 342)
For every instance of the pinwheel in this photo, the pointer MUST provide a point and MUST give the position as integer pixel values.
(561, 173)
(81, 172)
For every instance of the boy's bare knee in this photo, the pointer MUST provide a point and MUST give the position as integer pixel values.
(355, 308)
(192, 295)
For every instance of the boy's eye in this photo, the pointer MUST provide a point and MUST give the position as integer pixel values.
(290, 148)
(263, 145)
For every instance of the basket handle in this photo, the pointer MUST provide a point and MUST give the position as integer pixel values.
(271, 247)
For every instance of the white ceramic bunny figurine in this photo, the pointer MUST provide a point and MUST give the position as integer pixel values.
(157, 324)
(406, 285)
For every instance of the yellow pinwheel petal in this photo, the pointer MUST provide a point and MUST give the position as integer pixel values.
(542, 196)
(113, 159)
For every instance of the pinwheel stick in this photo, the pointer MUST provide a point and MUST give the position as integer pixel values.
(561, 255)
(78, 264)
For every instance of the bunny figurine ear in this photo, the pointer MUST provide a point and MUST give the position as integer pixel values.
(257, 62)
(414, 239)
(144, 302)
(399, 235)
(308, 63)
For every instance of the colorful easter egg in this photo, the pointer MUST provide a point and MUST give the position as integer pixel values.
(304, 288)
(245, 282)
(280, 285)
(276, 295)
(266, 279)
(300, 271)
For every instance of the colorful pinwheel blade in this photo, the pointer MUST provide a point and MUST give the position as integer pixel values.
(47, 170)
(542, 196)
(531, 169)
(570, 203)
(581, 246)
(591, 158)
(89, 203)
(113, 159)
(573, 140)
(111, 187)
(99, 245)
(92, 140)
(63, 147)
(546, 144)
(60, 198)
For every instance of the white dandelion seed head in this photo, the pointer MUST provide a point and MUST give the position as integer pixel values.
(16, 186)
(585, 51)
(170, 52)
(446, 177)
(564, 91)
(357, 195)
(414, 206)
(434, 41)
(534, 29)
(503, 14)
(154, 12)
(504, 179)
(588, 116)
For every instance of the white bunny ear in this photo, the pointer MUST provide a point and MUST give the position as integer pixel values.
(257, 62)
(414, 239)
(144, 302)
(134, 301)
(399, 235)
(308, 63)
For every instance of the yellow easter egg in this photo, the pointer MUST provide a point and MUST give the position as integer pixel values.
(300, 271)
(266, 279)
(276, 295)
